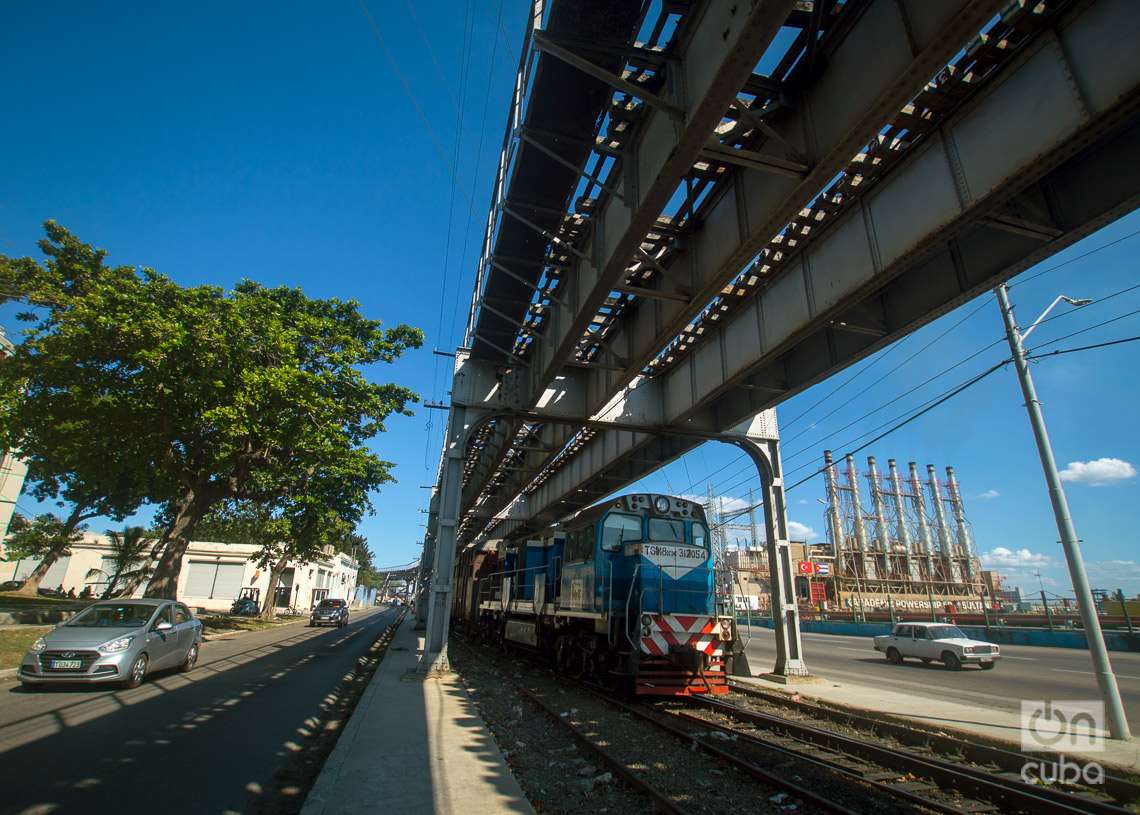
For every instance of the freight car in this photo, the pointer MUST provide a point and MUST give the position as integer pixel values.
(624, 593)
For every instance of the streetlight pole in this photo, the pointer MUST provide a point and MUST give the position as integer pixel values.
(1117, 721)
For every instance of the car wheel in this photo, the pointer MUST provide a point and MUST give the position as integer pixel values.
(951, 661)
(191, 659)
(988, 666)
(138, 672)
(894, 657)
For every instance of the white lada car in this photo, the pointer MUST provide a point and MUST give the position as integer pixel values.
(936, 642)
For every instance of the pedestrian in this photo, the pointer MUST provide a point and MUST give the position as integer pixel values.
(85, 594)
(71, 593)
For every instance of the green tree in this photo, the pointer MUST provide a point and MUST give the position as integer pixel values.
(43, 537)
(215, 396)
(130, 561)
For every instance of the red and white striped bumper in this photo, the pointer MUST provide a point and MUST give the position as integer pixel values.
(672, 632)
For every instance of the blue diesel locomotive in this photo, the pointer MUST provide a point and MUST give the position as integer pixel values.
(623, 593)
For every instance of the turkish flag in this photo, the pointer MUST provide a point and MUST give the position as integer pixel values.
(805, 567)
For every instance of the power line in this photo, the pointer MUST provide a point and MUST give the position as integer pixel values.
(947, 397)
(395, 66)
(1073, 259)
(913, 417)
(1085, 330)
(478, 158)
(1061, 351)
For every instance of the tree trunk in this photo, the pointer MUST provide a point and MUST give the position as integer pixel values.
(113, 583)
(275, 572)
(175, 540)
(32, 582)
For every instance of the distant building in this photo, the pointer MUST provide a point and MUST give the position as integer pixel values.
(213, 575)
(12, 469)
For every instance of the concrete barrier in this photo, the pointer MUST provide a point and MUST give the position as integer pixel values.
(1001, 635)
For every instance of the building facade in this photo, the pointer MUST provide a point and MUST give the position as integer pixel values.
(213, 575)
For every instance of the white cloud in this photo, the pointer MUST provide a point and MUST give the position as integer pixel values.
(989, 495)
(801, 532)
(1099, 472)
(1115, 574)
(1000, 556)
(730, 504)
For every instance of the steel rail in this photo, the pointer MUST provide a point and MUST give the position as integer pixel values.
(1005, 791)
(1123, 790)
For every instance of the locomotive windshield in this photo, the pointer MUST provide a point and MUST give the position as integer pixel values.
(667, 530)
(618, 529)
(700, 535)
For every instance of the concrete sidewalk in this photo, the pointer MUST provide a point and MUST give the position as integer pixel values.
(953, 718)
(415, 745)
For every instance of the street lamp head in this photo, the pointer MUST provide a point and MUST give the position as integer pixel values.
(1082, 301)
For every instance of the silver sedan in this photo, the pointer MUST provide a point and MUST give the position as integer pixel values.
(115, 641)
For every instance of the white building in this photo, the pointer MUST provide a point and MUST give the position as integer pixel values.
(213, 575)
(12, 469)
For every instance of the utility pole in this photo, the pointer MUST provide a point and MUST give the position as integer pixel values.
(1114, 708)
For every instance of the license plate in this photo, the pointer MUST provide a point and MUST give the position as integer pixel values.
(66, 664)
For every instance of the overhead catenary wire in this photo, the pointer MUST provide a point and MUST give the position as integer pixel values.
(1065, 314)
(478, 157)
(945, 398)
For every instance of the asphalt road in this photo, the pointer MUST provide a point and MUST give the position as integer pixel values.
(204, 742)
(1024, 672)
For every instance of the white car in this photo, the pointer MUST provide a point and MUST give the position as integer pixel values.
(936, 642)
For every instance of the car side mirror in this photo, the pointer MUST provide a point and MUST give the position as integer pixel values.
(163, 626)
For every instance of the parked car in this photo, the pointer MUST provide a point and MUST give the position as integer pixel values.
(330, 612)
(936, 642)
(115, 641)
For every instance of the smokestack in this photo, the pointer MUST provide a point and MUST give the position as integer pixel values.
(896, 487)
(833, 523)
(959, 517)
(944, 546)
(877, 503)
(856, 504)
(920, 510)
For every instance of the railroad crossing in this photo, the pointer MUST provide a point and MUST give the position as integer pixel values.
(704, 209)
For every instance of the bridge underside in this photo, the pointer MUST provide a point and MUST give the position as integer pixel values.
(721, 216)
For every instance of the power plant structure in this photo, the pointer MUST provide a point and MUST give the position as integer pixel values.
(897, 544)
(906, 547)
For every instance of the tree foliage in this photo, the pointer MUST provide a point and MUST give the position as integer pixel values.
(131, 557)
(198, 396)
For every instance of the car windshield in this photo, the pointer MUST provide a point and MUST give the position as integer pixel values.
(945, 632)
(329, 604)
(126, 615)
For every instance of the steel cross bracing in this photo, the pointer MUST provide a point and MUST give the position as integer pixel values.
(650, 240)
(981, 231)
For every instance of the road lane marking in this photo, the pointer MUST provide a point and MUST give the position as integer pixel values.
(1090, 673)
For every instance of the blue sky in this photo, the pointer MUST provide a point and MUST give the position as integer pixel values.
(276, 141)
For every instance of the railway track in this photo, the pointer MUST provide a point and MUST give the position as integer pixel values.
(828, 770)
(998, 759)
(923, 780)
(781, 792)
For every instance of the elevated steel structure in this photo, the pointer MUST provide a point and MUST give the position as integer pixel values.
(700, 214)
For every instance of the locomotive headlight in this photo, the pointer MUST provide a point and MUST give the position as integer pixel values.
(646, 620)
(661, 504)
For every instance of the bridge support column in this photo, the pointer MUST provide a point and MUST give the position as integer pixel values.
(765, 454)
(440, 587)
